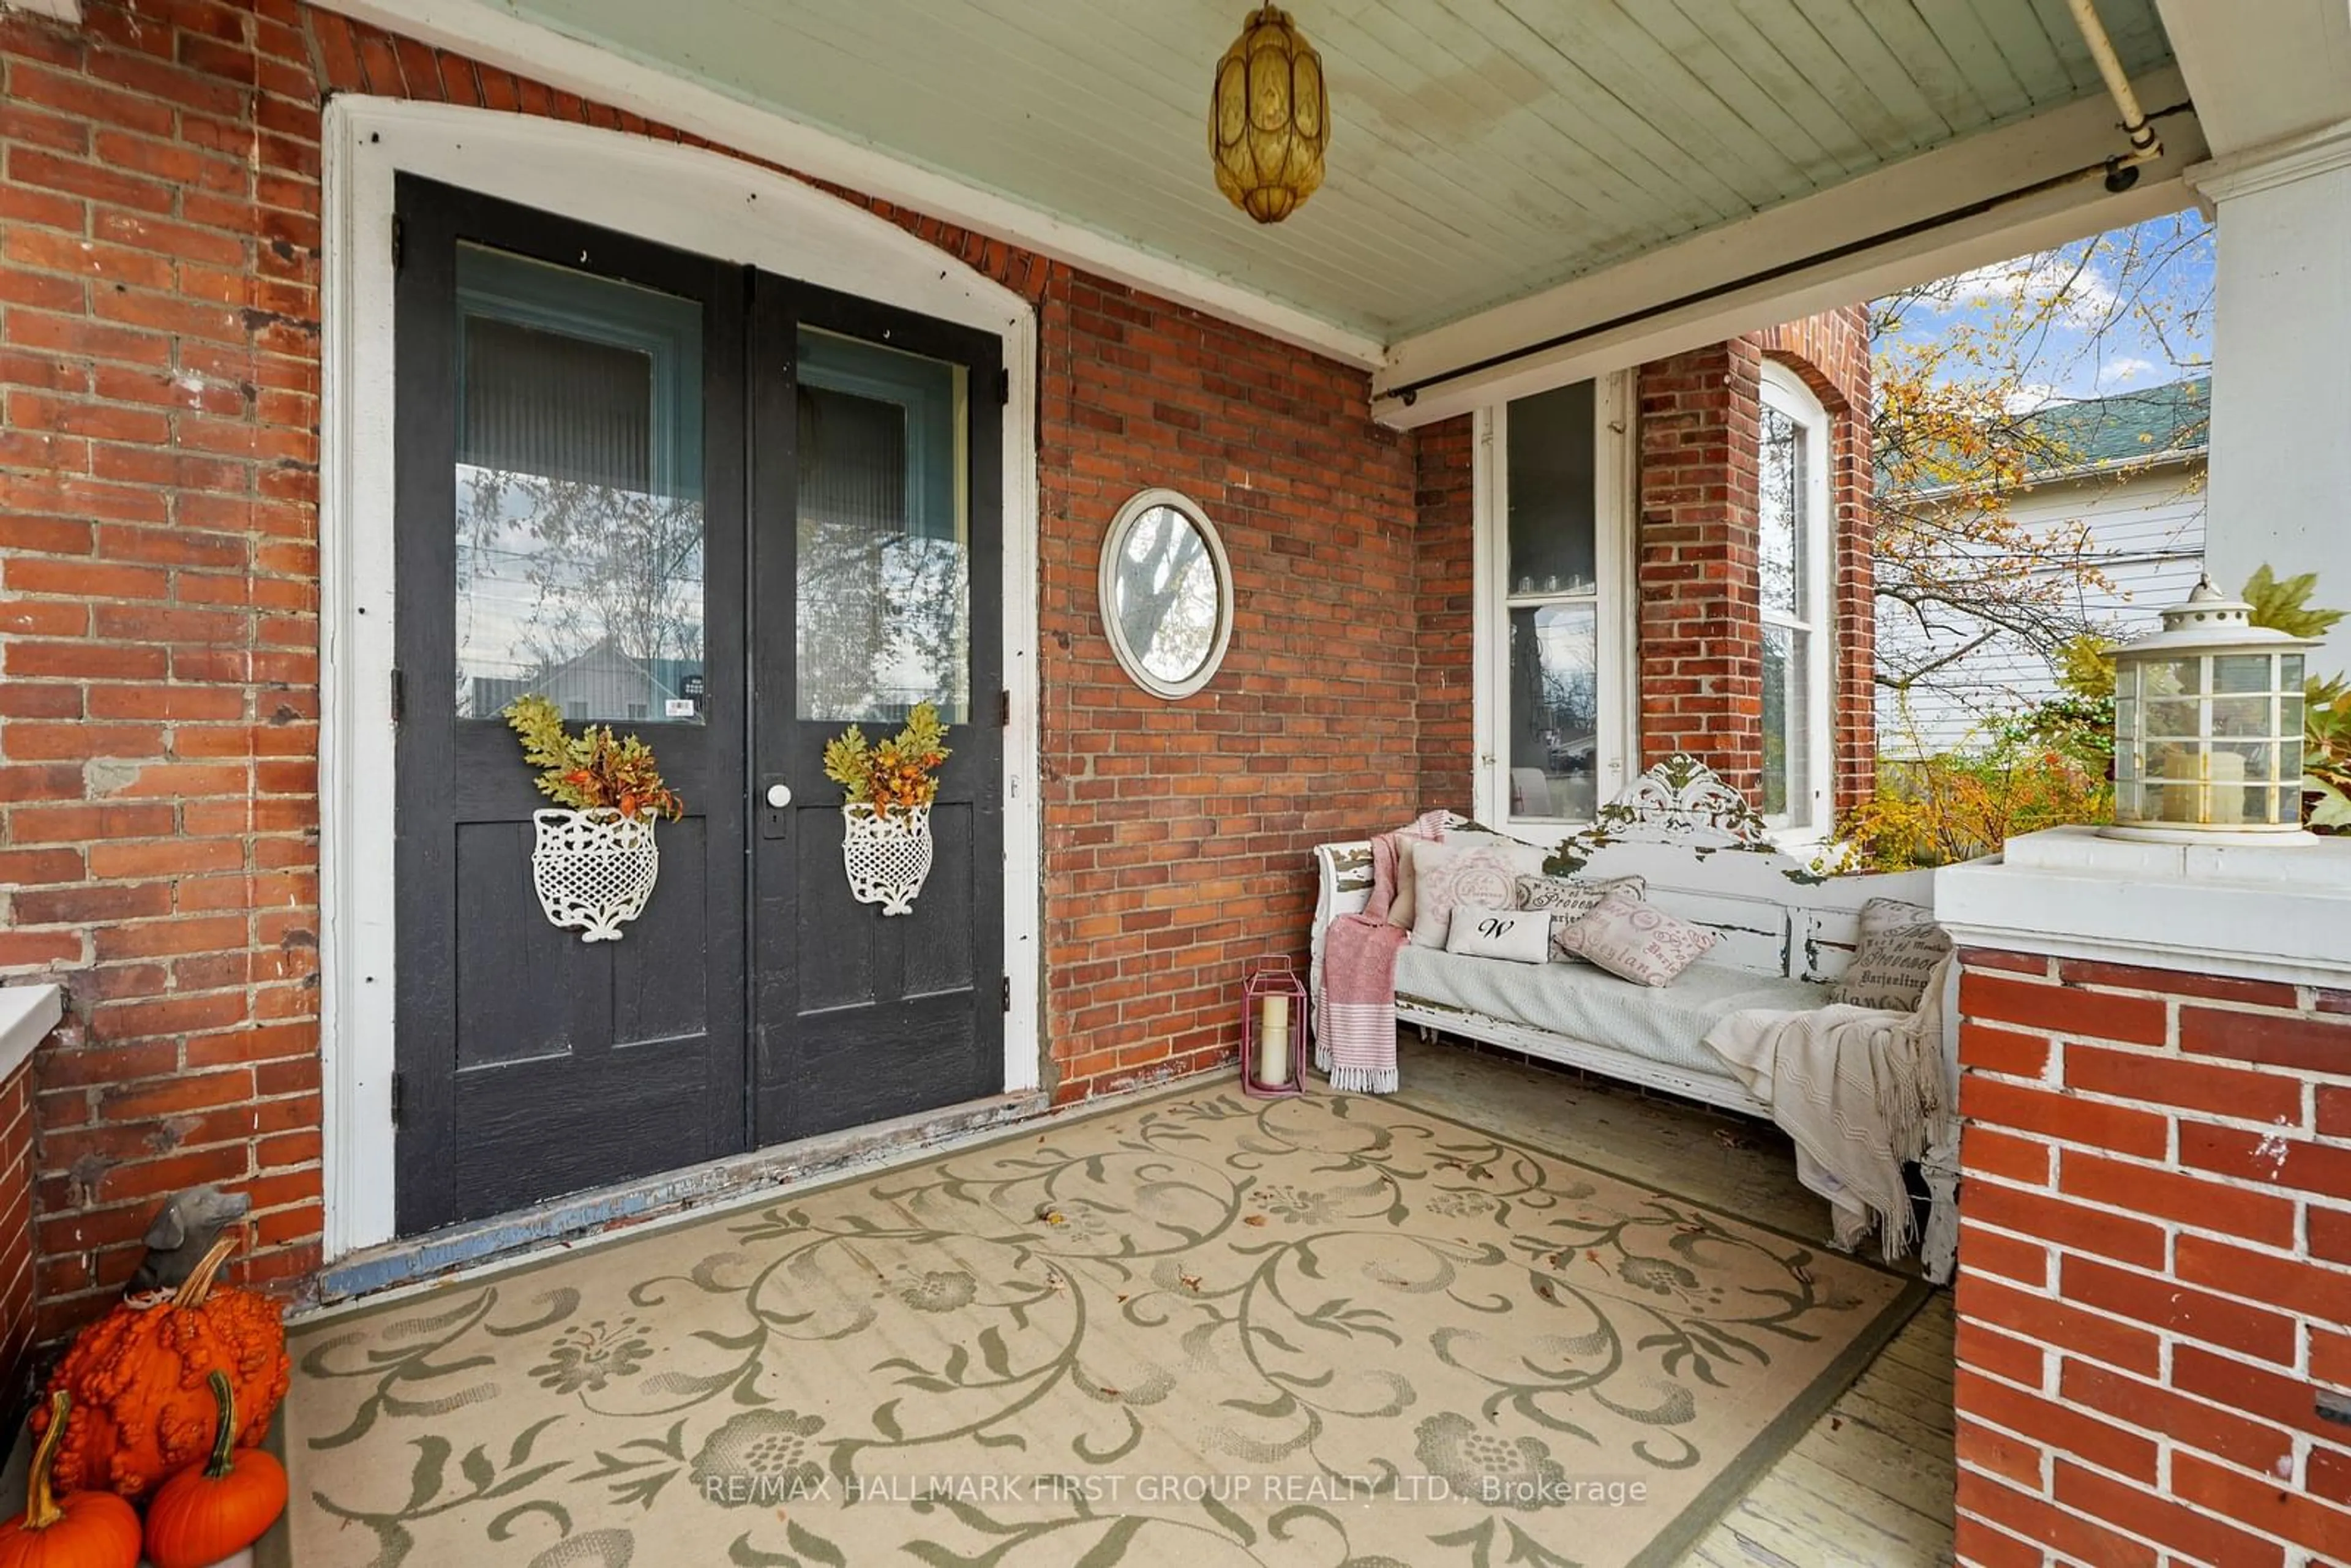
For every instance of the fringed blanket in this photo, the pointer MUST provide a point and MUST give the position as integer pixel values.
(1860, 1091)
(1356, 1047)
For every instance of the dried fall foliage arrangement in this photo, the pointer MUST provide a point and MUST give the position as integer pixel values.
(900, 774)
(591, 770)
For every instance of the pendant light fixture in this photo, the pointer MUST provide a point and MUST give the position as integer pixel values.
(1269, 118)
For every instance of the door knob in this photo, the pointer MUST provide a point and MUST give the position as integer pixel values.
(780, 795)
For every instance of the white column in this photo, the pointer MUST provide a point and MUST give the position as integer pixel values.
(2281, 452)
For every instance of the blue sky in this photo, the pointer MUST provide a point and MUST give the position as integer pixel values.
(2136, 308)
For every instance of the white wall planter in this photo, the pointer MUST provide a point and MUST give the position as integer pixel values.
(887, 855)
(593, 870)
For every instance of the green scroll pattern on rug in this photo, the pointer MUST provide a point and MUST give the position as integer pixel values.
(1330, 1332)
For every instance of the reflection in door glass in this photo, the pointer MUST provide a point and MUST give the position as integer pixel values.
(579, 515)
(884, 563)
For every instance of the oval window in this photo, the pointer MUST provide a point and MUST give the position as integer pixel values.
(1166, 593)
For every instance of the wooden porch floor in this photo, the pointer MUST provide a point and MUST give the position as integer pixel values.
(1871, 1485)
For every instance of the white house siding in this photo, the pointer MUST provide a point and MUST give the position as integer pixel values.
(2147, 529)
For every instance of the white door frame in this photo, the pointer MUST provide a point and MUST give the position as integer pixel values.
(695, 200)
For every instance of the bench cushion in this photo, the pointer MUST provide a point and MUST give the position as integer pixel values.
(1666, 1024)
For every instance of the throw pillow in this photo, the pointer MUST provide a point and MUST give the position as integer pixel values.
(1900, 945)
(1637, 941)
(1570, 899)
(1482, 869)
(1522, 935)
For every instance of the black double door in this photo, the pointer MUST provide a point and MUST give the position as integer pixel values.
(731, 514)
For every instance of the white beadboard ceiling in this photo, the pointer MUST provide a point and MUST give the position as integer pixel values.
(1483, 148)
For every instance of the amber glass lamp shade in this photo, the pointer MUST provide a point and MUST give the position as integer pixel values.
(1269, 118)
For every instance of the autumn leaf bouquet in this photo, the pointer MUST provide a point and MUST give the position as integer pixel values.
(589, 770)
(899, 775)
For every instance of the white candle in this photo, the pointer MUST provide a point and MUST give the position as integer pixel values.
(2226, 773)
(1273, 1041)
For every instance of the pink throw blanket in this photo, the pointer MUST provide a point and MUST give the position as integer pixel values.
(1357, 1045)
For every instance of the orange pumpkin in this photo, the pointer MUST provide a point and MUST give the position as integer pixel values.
(140, 1406)
(210, 1510)
(85, 1530)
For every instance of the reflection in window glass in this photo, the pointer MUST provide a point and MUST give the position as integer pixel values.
(580, 516)
(884, 536)
(1787, 723)
(1554, 710)
(1553, 600)
(1792, 584)
(1781, 523)
(1166, 596)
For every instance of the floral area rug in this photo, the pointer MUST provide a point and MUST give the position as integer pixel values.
(1333, 1332)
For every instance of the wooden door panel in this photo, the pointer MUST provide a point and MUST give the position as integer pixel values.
(861, 1016)
(531, 1063)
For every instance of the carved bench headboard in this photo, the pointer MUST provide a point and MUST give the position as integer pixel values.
(1708, 857)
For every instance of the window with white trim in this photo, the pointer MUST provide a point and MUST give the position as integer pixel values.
(1796, 560)
(1553, 611)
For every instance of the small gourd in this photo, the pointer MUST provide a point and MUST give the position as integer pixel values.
(219, 1508)
(84, 1530)
(141, 1409)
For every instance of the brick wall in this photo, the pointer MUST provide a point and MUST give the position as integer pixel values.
(158, 593)
(158, 589)
(1701, 650)
(2155, 1266)
(1444, 613)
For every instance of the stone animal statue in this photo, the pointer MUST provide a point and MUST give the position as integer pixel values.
(184, 1230)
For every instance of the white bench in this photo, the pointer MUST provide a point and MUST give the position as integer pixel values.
(1707, 857)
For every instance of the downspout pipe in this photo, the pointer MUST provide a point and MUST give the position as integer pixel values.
(2122, 171)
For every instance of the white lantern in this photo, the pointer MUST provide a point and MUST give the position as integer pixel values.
(2208, 727)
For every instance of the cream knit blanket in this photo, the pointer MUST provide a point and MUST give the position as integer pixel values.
(1860, 1091)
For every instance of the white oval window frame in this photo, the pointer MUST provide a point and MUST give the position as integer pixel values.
(1106, 592)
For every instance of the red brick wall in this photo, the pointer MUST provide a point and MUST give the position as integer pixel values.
(1444, 613)
(1701, 646)
(1701, 651)
(2155, 1267)
(158, 591)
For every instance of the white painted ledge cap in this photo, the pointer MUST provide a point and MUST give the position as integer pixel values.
(28, 1013)
(2243, 909)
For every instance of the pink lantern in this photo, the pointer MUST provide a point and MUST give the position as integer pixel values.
(1273, 1030)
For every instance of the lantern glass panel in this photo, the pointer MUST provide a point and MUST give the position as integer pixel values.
(2290, 672)
(2290, 715)
(2241, 716)
(2290, 760)
(2241, 673)
(2173, 718)
(2253, 755)
(2174, 677)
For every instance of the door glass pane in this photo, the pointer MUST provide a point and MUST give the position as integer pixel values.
(1787, 726)
(1780, 515)
(884, 533)
(1554, 710)
(579, 515)
(1552, 492)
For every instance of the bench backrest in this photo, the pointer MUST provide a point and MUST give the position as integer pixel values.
(1707, 857)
